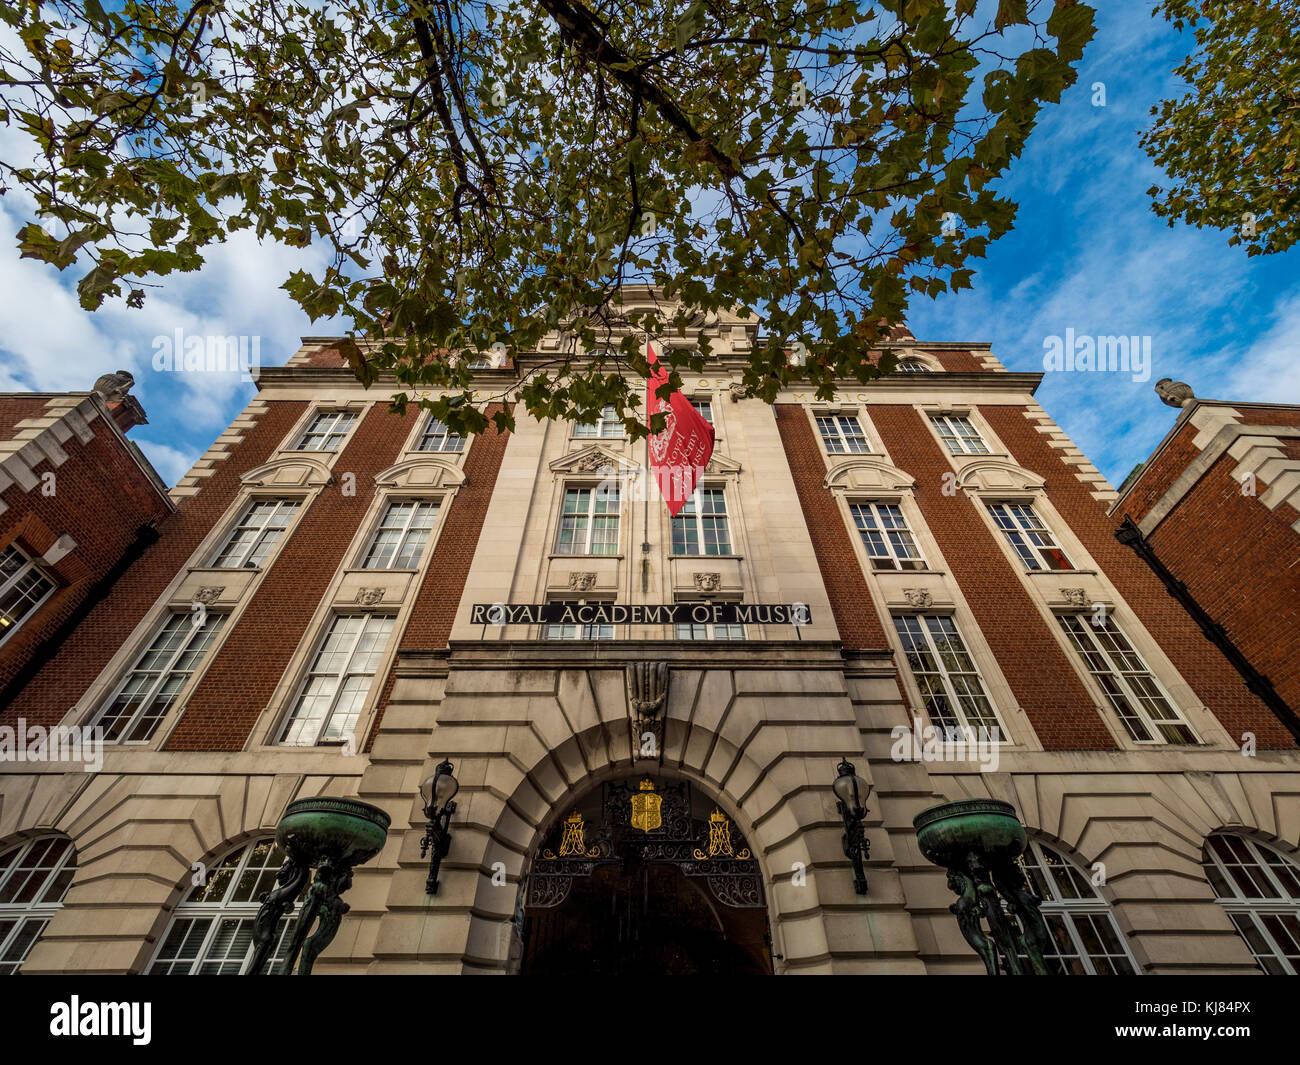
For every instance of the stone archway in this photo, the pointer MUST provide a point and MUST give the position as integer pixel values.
(643, 874)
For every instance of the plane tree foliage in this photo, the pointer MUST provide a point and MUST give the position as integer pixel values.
(477, 174)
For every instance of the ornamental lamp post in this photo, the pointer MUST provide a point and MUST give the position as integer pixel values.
(438, 794)
(851, 793)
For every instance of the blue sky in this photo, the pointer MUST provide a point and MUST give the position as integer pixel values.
(1087, 254)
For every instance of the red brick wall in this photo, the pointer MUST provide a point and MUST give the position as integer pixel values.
(101, 496)
(1201, 664)
(434, 613)
(238, 684)
(1062, 711)
(14, 409)
(65, 678)
(1242, 563)
(1163, 471)
(859, 626)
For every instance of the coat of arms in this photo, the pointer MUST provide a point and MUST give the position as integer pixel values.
(646, 806)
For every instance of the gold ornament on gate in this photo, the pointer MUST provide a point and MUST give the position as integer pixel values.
(720, 845)
(647, 807)
(573, 844)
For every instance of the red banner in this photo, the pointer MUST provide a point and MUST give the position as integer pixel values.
(679, 454)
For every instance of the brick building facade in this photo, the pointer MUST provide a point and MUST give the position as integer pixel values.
(305, 625)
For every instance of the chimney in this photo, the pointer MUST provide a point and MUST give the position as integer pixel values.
(125, 408)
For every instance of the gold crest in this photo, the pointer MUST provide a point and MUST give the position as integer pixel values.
(646, 807)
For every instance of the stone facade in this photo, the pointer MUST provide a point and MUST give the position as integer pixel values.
(756, 725)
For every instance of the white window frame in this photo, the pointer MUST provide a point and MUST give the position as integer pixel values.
(1027, 534)
(1285, 903)
(891, 548)
(224, 910)
(951, 690)
(911, 364)
(29, 567)
(723, 631)
(609, 426)
(951, 426)
(434, 430)
(242, 522)
(40, 910)
(573, 630)
(704, 407)
(405, 532)
(834, 437)
(213, 625)
(316, 416)
(1130, 693)
(341, 676)
(595, 493)
(697, 519)
(1063, 910)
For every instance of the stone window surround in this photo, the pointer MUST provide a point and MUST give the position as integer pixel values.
(968, 410)
(888, 594)
(170, 601)
(393, 483)
(286, 446)
(1046, 589)
(410, 449)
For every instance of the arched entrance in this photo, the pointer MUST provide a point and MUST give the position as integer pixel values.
(644, 875)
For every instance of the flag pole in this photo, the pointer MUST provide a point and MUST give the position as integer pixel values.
(645, 526)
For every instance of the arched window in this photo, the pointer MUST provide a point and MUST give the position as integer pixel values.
(211, 933)
(34, 877)
(1088, 942)
(912, 365)
(1260, 890)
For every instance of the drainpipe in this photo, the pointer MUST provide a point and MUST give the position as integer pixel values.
(1131, 536)
(145, 536)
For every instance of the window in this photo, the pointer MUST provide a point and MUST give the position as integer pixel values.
(1145, 712)
(911, 366)
(842, 433)
(598, 630)
(1260, 890)
(609, 425)
(211, 933)
(688, 630)
(959, 435)
(435, 437)
(705, 409)
(1087, 940)
(885, 535)
(157, 677)
(403, 531)
(327, 430)
(259, 530)
(339, 680)
(589, 522)
(700, 527)
(945, 672)
(23, 587)
(1032, 540)
(34, 877)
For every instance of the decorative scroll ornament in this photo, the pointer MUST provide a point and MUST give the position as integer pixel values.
(647, 808)
(582, 581)
(209, 594)
(720, 845)
(369, 596)
(737, 391)
(707, 582)
(918, 597)
(1075, 596)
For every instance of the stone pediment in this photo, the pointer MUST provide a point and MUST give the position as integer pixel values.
(862, 474)
(426, 471)
(998, 475)
(591, 459)
(295, 471)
